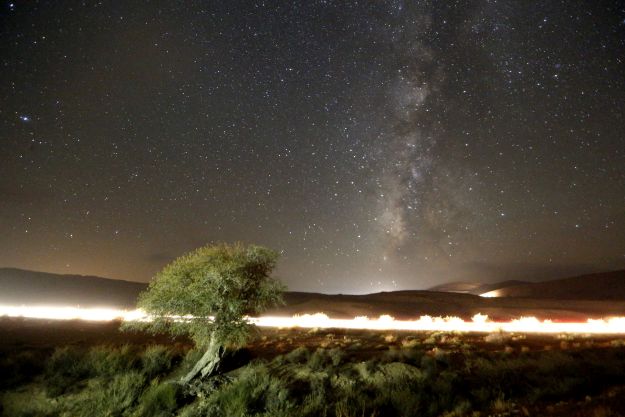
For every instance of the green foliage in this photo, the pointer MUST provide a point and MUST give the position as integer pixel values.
(298, 355)
(128, 381)
(106, 396)
(64, 369)
(68, 366)
(109, 360)
(256, 392)
(336, 356)
(189, 360)
(319, 360)
(403, 354)
(317, 384)
(27, 403)
(156, 360)
(160, 399)
(217, 284)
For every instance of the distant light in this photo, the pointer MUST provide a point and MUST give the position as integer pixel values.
(491, 294)
(25, 118)
(69, 313)
(479, 323)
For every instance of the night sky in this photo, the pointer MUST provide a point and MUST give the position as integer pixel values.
(377, 145)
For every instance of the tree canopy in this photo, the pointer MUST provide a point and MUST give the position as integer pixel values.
(219, 285)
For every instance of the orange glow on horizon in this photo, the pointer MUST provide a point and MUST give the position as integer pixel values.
(479, 323)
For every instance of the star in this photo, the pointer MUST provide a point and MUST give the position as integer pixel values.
(391, 137)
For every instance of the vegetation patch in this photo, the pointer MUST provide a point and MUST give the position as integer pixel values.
(408, 376)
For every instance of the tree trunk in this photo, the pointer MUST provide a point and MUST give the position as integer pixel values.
(207, 363)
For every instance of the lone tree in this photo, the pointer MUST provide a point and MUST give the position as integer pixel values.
(218, 285)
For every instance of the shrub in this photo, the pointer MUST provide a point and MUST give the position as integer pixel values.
(31, 403)
(409, 343)
(106, 396)
(390, 338)
(298, 355)
(64, 369)
(109, 381)
(336, 356)
(408, 355)
(254, 393)
(318, 360)
(501, 405)
(345, 408)
(156, 360)
(617, 343)
(192, 410)
(110, 360)
(159, 399)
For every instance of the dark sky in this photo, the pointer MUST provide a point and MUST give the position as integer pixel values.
(379, 145)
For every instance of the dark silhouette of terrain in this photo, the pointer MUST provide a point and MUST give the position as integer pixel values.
(18, 286)
(600, 286)
(409, 305)
(577, 298)
(475, 288)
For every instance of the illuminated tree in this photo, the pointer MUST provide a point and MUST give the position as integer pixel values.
(218, 285)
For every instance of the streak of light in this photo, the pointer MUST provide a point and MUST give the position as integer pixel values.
(70, 313)
(479, 323)
(490, 294)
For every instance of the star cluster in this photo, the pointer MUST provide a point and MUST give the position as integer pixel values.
(377, 145)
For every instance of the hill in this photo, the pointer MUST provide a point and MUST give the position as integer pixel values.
(600, 286)
(408, 305)
(18, 286)
(475, 288)
(569, 299)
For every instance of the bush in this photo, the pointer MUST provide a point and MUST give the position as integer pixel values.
(298, 355)
(30, 403)
(156, 360)
(336, 356)
(159, 400)
(254, 393)
(497, 338)
(110, 381)
(64, 369)
(110, 360)
(106, 397)
(318, 360)
(410, 342)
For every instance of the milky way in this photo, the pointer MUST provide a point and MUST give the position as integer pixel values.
(378, 146)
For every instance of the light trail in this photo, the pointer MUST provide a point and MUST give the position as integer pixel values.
(70, 313)
(479, 323)
(491, 294)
